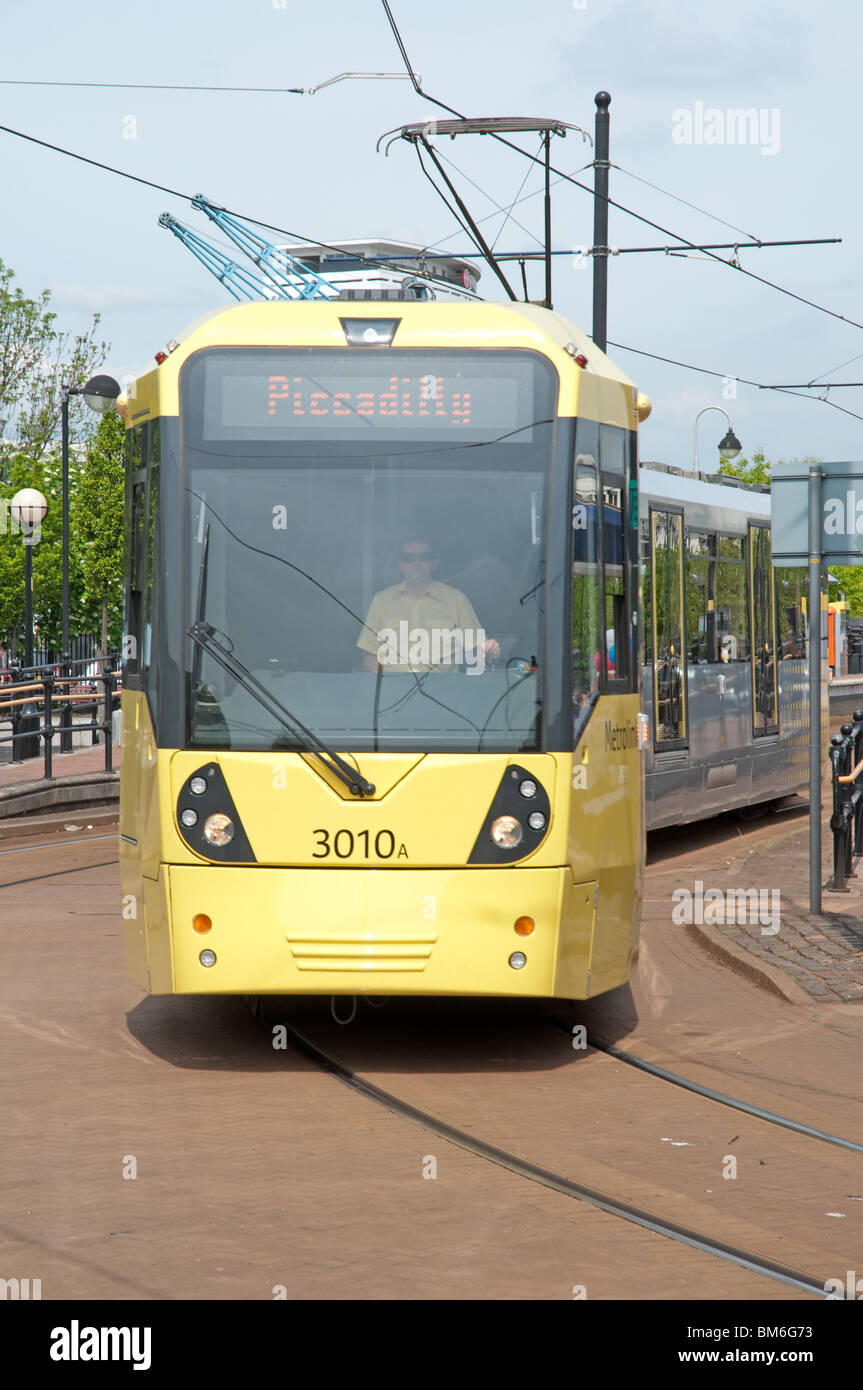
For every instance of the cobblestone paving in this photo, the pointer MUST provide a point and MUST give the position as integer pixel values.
(823, 953)
(754, 892)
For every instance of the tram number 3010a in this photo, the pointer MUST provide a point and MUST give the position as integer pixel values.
(346, 844)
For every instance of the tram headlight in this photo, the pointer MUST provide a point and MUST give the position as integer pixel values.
(507, 832)
(527, 788)
(189, 817)
(218, 829)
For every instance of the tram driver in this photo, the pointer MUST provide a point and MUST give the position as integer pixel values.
(422, 624)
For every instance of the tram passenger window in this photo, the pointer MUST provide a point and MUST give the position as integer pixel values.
(150, 598)
(646, 590)
(136, 561)
(615, 546)
(669, 667)
(791, 586)
(701, 636)
(732, 609)
(763, 631)
(585, 587)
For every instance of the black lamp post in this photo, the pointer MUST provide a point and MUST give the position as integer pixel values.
(729, 446)
(100, 394)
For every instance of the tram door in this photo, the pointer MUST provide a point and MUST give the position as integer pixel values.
(765, 714)
(671, 730)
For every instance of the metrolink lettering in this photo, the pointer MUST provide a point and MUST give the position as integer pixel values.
(620, 736)
(844, 519)
(76, 1343)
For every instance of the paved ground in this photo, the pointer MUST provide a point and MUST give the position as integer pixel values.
(162, 1148)
(759, 906)
(84, 760)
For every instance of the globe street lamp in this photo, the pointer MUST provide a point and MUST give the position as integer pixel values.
(729, 447)
(100, 394)
(28, 510)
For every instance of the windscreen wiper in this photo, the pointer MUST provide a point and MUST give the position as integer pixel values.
(202, 634)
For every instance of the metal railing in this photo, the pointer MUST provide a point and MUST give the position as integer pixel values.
(30, 698)
(846, 758)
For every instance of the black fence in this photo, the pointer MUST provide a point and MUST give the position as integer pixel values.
(846, 758)
(83, 649)
(855, 646)
(30, 698)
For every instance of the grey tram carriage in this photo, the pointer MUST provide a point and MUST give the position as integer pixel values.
(725, 676)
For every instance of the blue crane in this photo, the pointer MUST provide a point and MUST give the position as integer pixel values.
(280, 276)
(241, 283)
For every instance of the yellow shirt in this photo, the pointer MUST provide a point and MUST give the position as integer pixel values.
(418, 632)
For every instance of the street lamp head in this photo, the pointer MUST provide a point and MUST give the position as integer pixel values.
(101, 393)
(730, 446)
(28, 509)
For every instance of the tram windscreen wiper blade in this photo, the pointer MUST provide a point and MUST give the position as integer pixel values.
(201, 633)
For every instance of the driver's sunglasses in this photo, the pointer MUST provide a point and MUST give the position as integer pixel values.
(412, 557)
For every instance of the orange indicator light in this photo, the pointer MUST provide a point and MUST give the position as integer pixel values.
(201, 922)
(524, 926)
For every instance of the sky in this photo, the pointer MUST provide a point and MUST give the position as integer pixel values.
(677, 74)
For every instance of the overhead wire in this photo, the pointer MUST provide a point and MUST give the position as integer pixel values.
(668, 194)
(185, 197)
(560, 177)
(730, 376)
(508, 211)
(486, 217)
(453, 211)
(188, 87)
(621, 207)
(144, 86)
(444, 159)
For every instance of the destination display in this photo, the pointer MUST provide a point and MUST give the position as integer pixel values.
(254, 396)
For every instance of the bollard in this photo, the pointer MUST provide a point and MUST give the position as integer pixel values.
(48, 730)
(66, 725)
(108, 678)
(29, 729)
(846, 822)
(837, 760)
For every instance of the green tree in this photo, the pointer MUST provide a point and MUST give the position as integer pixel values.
(36, 362)
(96, 525)
(756, 470)
(848, 578)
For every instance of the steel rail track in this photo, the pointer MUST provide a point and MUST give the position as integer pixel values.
(57, 873)
(632, 1060)
(568, 1187)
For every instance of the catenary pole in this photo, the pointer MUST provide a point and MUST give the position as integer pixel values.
(600, 221)
(815, 559)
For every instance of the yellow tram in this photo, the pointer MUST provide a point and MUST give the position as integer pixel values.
(380, 706)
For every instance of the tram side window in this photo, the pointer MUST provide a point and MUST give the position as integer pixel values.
(149, 585)
(701, 638)
(615, 555)
(791, 586)
(732, 608)
(669, 667)
(136, 551)
(646, 590)
(763, 630)
(585, 580)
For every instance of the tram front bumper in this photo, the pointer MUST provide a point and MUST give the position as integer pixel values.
(371, 931)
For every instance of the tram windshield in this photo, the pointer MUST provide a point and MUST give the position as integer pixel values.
(366, 536)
